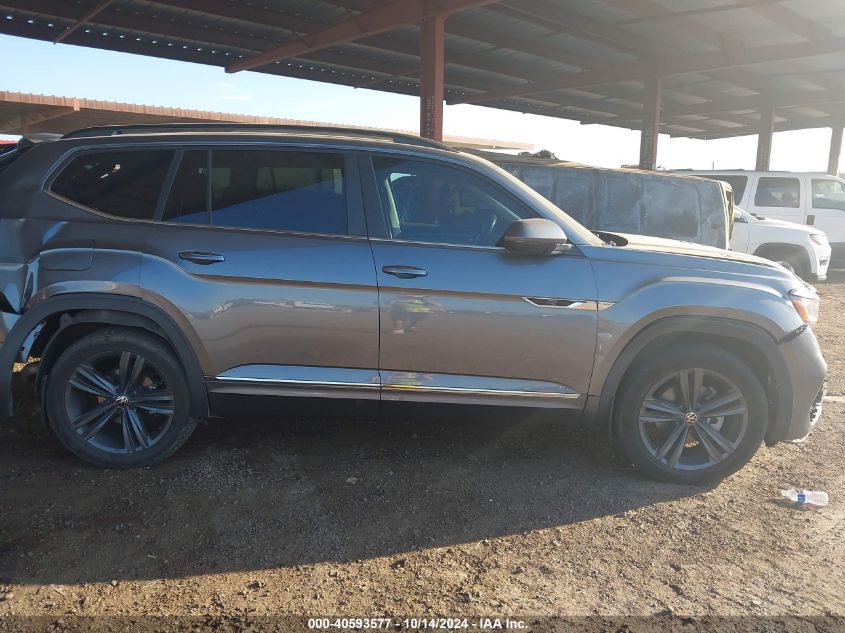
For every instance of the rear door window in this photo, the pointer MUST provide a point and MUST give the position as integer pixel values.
(124, 183)
(778, 192)
(187, 201)
(279, 190)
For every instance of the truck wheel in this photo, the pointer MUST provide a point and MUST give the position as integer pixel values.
(690, 415)
(118, 398)
(794, 263)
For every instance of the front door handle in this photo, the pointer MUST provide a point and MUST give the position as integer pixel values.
(204, 258)
(404, 272)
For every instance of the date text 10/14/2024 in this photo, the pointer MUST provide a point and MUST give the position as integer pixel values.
(411, 624)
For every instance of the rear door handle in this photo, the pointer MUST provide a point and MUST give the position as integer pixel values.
(404, 272)
(204, 258)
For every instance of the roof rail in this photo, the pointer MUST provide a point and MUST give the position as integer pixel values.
(153, 128)
(39, 137)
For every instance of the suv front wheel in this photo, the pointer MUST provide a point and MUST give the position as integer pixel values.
(118, 398)
(693, 414)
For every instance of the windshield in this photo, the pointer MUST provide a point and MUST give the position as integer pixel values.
(575, 231)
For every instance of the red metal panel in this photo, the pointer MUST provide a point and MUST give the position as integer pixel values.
(431, 77)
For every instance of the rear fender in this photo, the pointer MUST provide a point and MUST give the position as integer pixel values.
(78, 310)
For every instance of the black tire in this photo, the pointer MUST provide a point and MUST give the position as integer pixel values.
(795, 262)
(641, 437)
(124, 363)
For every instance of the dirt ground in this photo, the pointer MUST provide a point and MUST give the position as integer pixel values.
(329, 517)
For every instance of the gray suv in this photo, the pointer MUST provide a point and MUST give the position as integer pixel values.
(151, 274)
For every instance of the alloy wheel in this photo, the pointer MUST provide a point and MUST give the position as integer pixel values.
(119, 402)
(693, 419)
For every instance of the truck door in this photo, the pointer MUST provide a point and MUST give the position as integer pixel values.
(778, 197)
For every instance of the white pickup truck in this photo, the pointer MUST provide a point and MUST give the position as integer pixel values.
(803, 249)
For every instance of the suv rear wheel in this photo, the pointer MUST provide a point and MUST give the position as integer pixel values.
(692, 415)
(118, 398)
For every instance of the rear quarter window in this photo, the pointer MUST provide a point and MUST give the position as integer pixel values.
(124, 183)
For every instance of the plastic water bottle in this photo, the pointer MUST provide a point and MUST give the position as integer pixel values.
(813, 497)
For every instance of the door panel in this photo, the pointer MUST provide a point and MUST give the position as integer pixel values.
(780, 197)
(276, 299)
(255, 298)
(466, 329)
(456, 321)
(828, 211)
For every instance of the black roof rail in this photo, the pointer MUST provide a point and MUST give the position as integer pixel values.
(153, 128)
(39, 137)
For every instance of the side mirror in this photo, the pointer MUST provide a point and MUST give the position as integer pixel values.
(535, 236)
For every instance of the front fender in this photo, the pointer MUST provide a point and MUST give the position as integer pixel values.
(599, 405)
(713, 300)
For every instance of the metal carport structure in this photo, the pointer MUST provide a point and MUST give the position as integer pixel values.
(22, 114)
(694, 68)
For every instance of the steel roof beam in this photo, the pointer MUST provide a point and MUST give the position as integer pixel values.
(82, 21)
(782, 126)
(642, 47)
(791, 21)
(754, 103)
(684, 26)
(299, 26)
(494, 38)
(678, 64)
(377, 20)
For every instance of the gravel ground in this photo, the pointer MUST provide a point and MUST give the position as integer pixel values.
(434, 517)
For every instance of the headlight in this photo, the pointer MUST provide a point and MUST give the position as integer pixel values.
(806, 304)
(819, 238)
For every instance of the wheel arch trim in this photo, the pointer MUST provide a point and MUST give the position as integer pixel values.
(599, 407)
(787, 247)
(107, 310)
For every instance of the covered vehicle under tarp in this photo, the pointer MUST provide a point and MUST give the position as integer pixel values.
(628, 200)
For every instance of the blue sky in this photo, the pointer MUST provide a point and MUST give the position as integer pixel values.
(72, 71)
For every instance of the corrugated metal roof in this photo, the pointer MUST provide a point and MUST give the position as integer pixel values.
(500, 54)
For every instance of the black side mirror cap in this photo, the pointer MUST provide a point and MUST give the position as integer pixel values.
(535, 236)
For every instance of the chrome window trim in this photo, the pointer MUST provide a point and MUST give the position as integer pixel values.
(473, 247)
